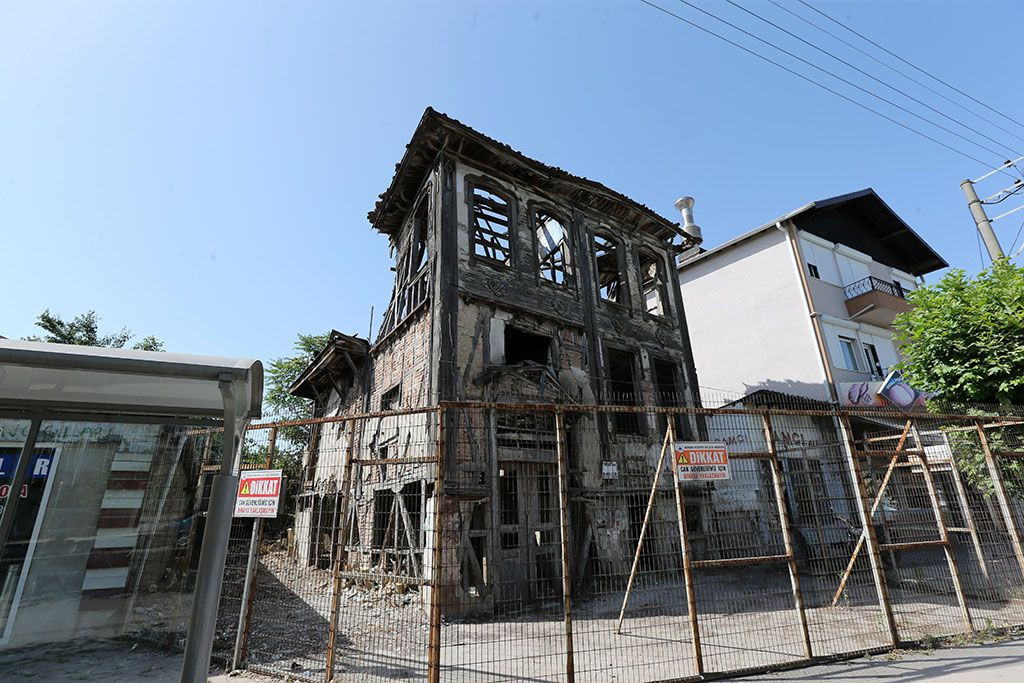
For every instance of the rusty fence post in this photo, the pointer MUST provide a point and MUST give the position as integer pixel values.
(870, 538)
(563, 513)
(434, 644)
(341, 551)
(1004, 501)
(940, 523)
(684, 544)
(784, 522)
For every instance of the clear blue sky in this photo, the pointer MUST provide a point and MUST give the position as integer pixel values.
(169, 163)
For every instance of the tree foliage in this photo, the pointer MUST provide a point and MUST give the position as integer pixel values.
(964, 342)
(281, 374)
(83, 330)
(964, 338)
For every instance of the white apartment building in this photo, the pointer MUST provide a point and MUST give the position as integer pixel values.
(804, 304)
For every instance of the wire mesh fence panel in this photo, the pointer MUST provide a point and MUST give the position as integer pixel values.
(497, 541)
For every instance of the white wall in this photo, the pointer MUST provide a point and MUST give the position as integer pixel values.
(748, 321)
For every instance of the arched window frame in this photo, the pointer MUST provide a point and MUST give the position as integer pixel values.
(621, 287)
(659, 286)
(483, 219)
(544, 262)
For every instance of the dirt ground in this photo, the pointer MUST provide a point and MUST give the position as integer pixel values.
(382, 633)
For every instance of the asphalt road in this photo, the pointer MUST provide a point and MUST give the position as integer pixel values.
(999, 662)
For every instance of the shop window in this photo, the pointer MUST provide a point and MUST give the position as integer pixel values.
(610, 283)
(491, 232)
(652, 279)
(552, 241)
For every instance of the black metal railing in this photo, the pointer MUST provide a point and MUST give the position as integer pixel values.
(873, 283)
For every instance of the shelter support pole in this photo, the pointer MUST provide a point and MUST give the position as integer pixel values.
(940, 523)
(684, 545)
(874, 508)
(787, 538)
(434, 645)
(340, 551)
(212, 556)
(1004, 501)
(870, 538)
(563, 513)
(643, 528)
(252, 565)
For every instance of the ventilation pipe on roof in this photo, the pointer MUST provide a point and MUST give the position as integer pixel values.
(690, 229)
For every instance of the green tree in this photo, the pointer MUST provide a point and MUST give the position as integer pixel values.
(83, 330)
(964, 342)
(279, 403)
(964, 338)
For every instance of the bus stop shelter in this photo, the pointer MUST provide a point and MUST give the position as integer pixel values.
(98, 497)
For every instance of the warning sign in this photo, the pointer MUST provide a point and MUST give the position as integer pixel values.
(701, 461)
(258, 493)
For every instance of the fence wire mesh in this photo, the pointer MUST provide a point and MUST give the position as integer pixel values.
(496, 541)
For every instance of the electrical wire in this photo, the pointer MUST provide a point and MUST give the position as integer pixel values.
(835, 76)
(910, 78)
(910, 64)
(812, 81)
(878, 80)
(1017, 237)
(1005, 196)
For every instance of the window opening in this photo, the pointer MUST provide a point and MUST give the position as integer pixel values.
(391, 398)
(813, 270)
(849, 355)
(523, 346)
(622, 389)
(491, 222)
(669, 395)
(652, 279)
(609, 277)
(508, 494)
(552, 248)
(874, 363)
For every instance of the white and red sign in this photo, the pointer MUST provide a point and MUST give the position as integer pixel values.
(701, 461)
(259, 492)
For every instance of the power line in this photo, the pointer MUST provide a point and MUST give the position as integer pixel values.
(877, 80)
(812, 81)
(837, 77)
(910, 64)
(895, 70)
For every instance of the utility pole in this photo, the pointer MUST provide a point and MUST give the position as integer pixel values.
(981, 220)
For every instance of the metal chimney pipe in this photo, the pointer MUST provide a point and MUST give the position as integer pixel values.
(685, 207)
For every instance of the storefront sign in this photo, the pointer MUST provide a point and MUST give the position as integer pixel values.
(892, 391)
(259, 492)
(701, 461)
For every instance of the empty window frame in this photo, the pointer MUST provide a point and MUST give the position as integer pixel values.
(521, 346)
(813, 271)
(610, 282)
(652, 281)
(622, 389)
(491, 221)
(847, 346)
(669, 395)
(392, 398)
(552, 242)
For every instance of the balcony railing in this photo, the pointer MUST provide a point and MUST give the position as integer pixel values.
(872, 283)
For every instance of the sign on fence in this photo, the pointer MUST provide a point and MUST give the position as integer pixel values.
(701, 460)
(258, 493)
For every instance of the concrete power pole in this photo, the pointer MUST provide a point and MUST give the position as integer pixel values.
(981, 221)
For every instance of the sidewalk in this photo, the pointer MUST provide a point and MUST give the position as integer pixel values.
(998, 662)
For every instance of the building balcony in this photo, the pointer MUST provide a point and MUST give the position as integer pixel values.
(873, 300)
